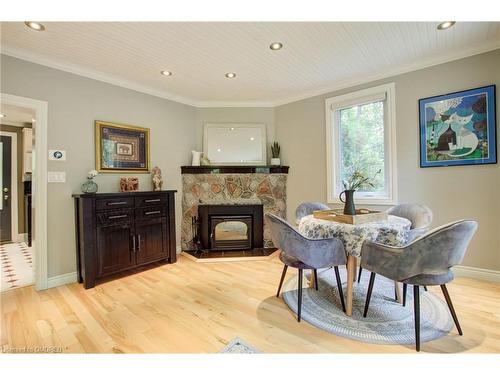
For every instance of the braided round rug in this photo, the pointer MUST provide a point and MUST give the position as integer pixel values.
(387, 322)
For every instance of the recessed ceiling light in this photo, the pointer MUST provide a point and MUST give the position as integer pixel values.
(252, 138)
(219, 150)
(232, 128)
(2, 115)
(445, 25)
(230, 75)
(276, 46)
(35, 25)
(166, 73)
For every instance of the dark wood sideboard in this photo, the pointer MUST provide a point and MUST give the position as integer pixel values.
(117, 232)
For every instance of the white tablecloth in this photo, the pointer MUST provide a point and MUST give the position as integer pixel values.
(393, 231)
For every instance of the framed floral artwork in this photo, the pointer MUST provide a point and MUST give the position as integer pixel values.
(458, 128)
(121, 148)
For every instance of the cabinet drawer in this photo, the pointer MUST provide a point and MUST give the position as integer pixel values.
(151, 200)
(114, 203)
(115, 217)
(150, 212)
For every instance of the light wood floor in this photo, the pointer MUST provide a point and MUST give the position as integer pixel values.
(198, 308)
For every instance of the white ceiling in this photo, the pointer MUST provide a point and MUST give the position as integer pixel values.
(316, 57)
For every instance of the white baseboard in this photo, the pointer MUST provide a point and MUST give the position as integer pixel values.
(178, 249)
(477, 273)
(59, 280)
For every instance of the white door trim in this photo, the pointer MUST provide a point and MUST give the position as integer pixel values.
(39, 182)
(13, 188)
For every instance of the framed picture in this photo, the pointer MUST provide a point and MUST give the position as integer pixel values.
(121, 148)
(458, 128)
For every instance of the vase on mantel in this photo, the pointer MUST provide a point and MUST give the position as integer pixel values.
(349, 208)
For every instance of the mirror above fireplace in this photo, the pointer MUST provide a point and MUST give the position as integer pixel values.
(235, 143)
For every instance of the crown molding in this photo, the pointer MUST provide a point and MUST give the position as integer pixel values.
(92, 74)
(359, 80)
(227, 104)
(391, 72)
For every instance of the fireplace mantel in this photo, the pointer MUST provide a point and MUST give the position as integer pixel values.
(231, 169)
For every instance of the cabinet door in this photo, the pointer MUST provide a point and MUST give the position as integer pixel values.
(115, 248)
(152, 240)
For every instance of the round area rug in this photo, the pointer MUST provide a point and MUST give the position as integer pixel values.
(387, 322)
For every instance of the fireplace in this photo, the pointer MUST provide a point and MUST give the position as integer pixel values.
(230, 226)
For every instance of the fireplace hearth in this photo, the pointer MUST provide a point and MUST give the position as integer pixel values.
(230, 226)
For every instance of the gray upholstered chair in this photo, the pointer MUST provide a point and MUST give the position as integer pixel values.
(420, 217)
(302, 253)
(307, 208)
(425, 261)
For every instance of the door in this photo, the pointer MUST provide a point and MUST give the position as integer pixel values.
(6, 185)
(115, 248)
(152, 241)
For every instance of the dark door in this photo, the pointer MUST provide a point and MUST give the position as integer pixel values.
(6, 185)
(115, 248)
(152, 241)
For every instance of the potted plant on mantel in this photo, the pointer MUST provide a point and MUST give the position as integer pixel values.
(355, 181)
(275, 151)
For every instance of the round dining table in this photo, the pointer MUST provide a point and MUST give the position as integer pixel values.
(393, 231)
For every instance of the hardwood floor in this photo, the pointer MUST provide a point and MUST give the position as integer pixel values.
(193, 307)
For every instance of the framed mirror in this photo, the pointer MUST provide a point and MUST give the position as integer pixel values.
(235, 143)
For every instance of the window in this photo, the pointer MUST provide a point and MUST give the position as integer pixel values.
(360, 135)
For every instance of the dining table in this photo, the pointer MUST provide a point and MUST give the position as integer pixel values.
(392, 231)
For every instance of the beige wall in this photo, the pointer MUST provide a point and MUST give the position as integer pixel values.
(452, 193)
(236, 114)
(74, 102)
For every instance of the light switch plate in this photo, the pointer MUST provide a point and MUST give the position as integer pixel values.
(56, 177)
(57, 155)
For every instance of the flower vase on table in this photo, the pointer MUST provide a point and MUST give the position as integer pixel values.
(355, 181)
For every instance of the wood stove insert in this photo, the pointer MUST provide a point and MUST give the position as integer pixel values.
(230, 226)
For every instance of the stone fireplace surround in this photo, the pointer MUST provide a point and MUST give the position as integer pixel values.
(231, 184)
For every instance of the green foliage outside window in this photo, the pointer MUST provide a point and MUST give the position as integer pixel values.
(361, 134)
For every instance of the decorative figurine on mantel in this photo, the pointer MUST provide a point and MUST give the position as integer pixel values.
(157, 179)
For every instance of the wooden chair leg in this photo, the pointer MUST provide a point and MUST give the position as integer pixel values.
(369, 293)
(339, 286)
(299, 304)
(452, 310)
(282, 278)
(416, 308)
(405, 289)
(315, 279)
(359, 273)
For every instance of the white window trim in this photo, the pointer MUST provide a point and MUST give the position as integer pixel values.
(337, 102)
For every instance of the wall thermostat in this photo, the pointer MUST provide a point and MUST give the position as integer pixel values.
(57, 155)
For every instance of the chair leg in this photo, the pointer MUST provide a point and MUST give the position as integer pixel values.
(369, 294)
(405, 289)
(299, 304)
(452, 310)
(359, 273)
(281, 281)
(416, 308)
(339, 286)
(425, 288)
(315, 279)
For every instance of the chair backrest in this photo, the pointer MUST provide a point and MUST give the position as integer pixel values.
(419, 215)
(439, 249)
(317, 253)
(307, 208)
